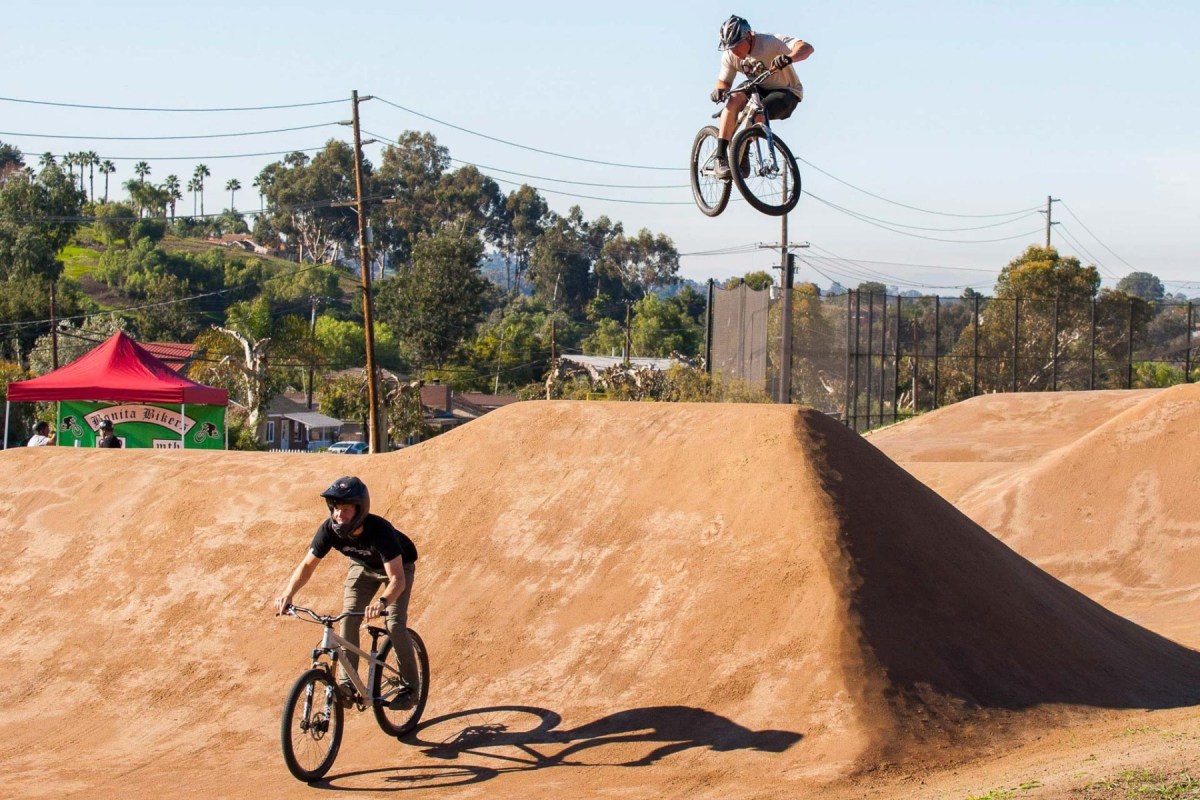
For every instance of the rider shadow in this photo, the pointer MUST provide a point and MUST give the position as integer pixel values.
(482, 748)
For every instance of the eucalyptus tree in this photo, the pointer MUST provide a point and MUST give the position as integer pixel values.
(107, 168)
(310, 200)
(200, 173)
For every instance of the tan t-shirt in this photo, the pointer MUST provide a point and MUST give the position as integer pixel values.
(765, 47)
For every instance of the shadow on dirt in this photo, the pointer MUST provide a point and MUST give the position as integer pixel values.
(505, 739)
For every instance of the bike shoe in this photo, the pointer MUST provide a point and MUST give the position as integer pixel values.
(404, 700)
(721, 170)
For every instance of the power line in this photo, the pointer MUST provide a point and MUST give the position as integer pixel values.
(911, 208)
(206, 158)
(170, 110)
(522, 146)
(1097, 238)
(859, 217)
(166, 138)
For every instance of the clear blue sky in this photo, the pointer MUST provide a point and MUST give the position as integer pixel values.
(964, 108)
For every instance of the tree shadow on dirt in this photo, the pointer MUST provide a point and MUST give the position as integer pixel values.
(503, 739)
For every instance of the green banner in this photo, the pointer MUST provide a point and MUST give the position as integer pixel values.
(154, 425)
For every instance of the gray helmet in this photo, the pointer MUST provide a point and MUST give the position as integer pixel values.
(348, 490)
(733, 30)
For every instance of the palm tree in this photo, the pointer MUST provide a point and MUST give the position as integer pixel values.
(193, 186)
(92, 160)
(107, 168)
(137, 194)
(200, 174)
(46, 159)
(233, 184)
(141, 169)
(171, 186)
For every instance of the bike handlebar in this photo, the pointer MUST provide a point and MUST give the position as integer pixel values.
(323, 619)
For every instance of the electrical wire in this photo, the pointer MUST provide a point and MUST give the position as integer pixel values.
(859, 217)
(171, 110)
(168, 138)
(1094, 236)
(525, 147)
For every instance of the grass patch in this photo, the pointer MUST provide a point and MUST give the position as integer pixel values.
(1004, 794)
(79, 261)
(1142, 784)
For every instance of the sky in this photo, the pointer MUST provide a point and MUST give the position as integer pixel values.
(931, 135)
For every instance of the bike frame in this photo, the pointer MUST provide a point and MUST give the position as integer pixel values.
(333, 645)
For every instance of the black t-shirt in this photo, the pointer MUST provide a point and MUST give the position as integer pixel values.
(108, 440)
(378, 543)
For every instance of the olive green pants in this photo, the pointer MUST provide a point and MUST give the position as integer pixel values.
(362, 583)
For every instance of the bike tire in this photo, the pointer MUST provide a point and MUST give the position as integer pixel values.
(754, 178)
(312, 739)
(710, 193)
(398, 723)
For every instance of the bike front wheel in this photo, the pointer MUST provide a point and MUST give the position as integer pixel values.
(711, 193)
(767, 176)
(385, 685)
(312, 726)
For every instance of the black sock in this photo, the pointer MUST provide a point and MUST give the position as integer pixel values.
(722, 148)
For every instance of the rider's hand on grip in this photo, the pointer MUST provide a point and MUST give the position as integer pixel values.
(781, 61)
(718, 95)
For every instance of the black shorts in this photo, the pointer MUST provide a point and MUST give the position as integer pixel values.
(780, 103)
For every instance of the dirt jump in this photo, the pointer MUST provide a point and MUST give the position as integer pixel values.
(628, 599)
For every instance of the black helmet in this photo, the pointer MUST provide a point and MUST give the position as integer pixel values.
(348, 490)
(106, 425)
(733, 30)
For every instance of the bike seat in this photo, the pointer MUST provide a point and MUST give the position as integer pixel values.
(375, 630)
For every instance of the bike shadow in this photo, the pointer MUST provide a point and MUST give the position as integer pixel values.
(502, 739)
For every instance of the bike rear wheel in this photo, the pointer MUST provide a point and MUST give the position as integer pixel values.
(710, 193)
(385, 685)
(771, 185)
(312, 726)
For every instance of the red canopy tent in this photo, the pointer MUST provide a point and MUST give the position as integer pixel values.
(119, 369)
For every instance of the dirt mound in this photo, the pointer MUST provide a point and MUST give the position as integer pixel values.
(1103, 498)
(732, 599)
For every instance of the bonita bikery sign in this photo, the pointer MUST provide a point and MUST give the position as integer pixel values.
(143, 425)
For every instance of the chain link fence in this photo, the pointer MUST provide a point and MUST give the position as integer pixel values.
(872, 359)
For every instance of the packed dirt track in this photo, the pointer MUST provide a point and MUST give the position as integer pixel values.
(633, 600)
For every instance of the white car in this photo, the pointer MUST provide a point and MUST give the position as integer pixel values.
(349, 448)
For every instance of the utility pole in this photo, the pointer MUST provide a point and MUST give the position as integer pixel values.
(1049, 222)
(312, 336)
(786, 280)
(373, 419)
(628, 338)
(53, 330)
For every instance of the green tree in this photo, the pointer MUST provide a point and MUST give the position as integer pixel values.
(141, 169)
(1032, 292)
(1142, 284)
(199, 174)
(757, 281)
(434, 305)
(232, 185)
(114, 222)
(639, 263)
(309, 200)
(526, 215)
(249, 355)
(107, 168)
(171, 187)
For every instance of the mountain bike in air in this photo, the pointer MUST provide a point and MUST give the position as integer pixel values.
(314, 712)
(762, 166)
